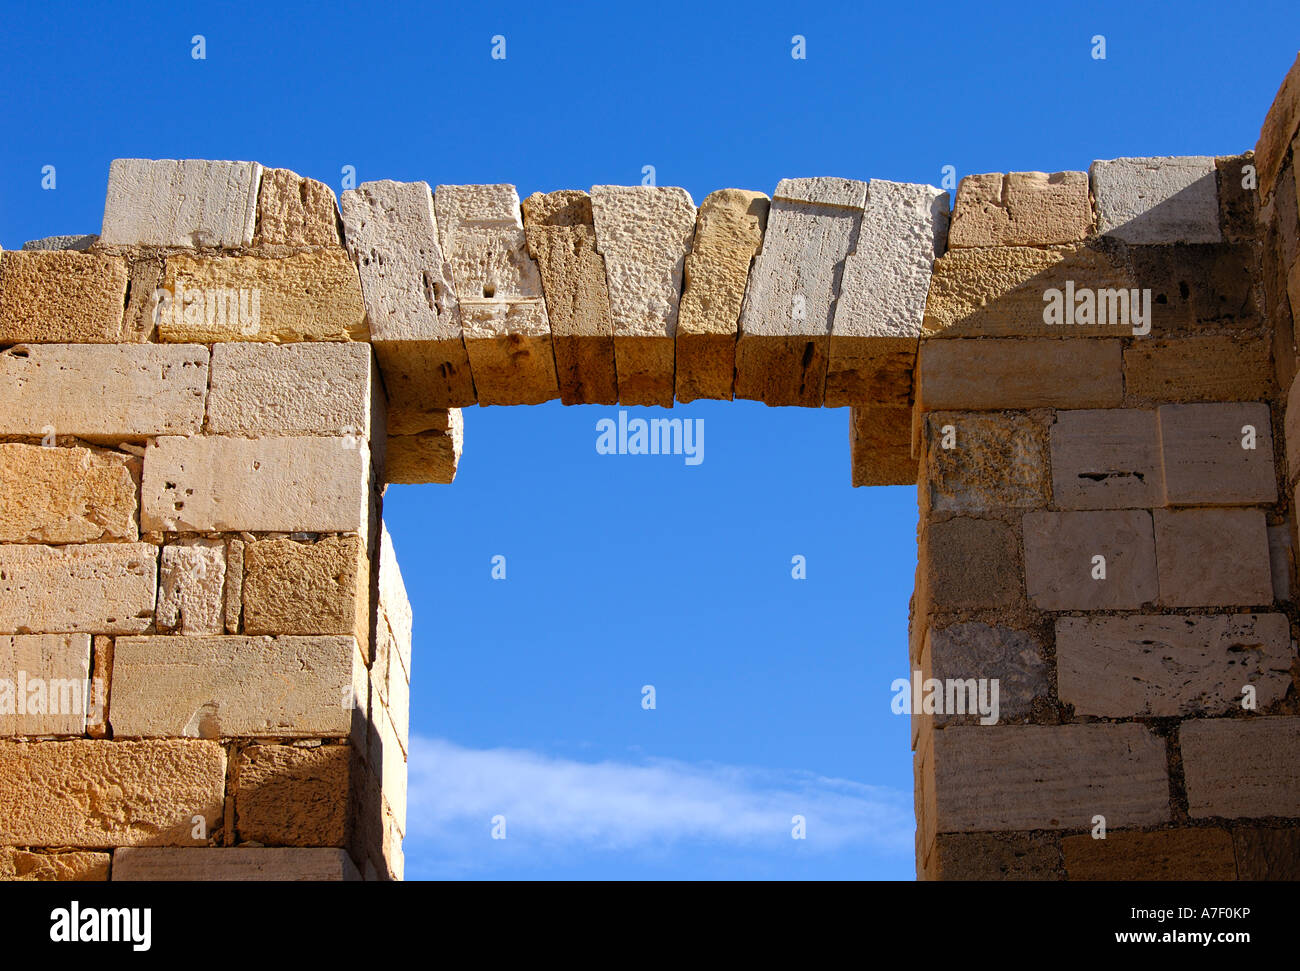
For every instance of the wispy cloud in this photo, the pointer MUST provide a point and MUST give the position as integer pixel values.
(561, 806)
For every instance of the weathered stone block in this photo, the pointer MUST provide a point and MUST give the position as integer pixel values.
(1171, 854)
(191, 587)
(104, 588)
(880, 445)
(1062, 570)
(98, 793)
(990, 856)
(311, 484)
(1012, 658)
(561, 236)
(415, 324)
(977, 462)
(1195, 287)
(307, 588)
(1279, 125)
(503, 312)
(1238, 203)
(1021, 209)
(1106, 459)
(1157, 200)
(223, 687)
(992, 375)
(295, 211)
(190, 202)
(970, 563)
(1165, 665)
(110, 392)
(233, 864)
(81, 242)
(43, 682)
(1213, 558)
(62, 297)
(80, 865)
(1241, 767)
(427, 456)
(1217, 454)
(67, 495)
(290, 796)
(728, 234)
(1185, 369)
(306, 297)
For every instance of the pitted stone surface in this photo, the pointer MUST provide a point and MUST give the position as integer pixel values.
(1021, 209)
(191, 202)
(996, 461)
(191, 587)
(1106, 458)
(62, 296)
(100, 588)
(1157, 200)
(67, 495)
(295, 211)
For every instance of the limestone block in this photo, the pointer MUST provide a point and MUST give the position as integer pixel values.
(728, 234)
(212, 483)
(289, 796)
(192, 586)
(976, 462)
(101, 667)
(880, 445)
(223, 687)
(883, 292)
(503, 311)
(993, 375)
(295, 211)
(1061, 567)
(312, 296)
(971, 563)
(142, 305)
(80, 865)
(1077, 290)
(1185, 369)
(1009, 777)
(1175, 854)
(294, 389)
(1217, 454)
(102, 392)
(307, 588)
(1213, 557)
(82, 242)
(234, 601)
(785, 323)
(427, 456)
(415, 322)
(43, 680)
(103, 588)
(62, 296)
(1267, 854)
(190, 202)
(1198, 286)
(1241, 767)
(1157, 200)
(644, 233)
(967, 651)
(67, 495)
(1021, 209)
(234, 864)
(1279, 125)
(1164, 665)
(990, 856)
(1238, 201)
(1106, 458)
(561, 235)
(85, 792)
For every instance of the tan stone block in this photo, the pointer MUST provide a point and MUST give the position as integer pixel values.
(89, 793)
(1012, 658)
(307, 588)
(146, 276)
(1048, 777)
(67, 495)
(1021, 209)
(309, 296)
(1241, 767)
(1217, 454)
(1267, 854)
(212, 483)
(234, 598)
(728, 234)
(62, 296)
(971, 563)
(295, 211)
(1106, 459)
(1185, 369)
(102, 392)
(976, 462)
(992, 375)
(1171, 854)
(228, 687)
(1169, 665)
(862, 373)
(1213, 558)
(996, 856)
(235, 864)
(427, 456)
(1003, 292)
(82, 866)
(295, 389)
(880, 445)
(290, 796)
(103, 588)
(561, 236)
(1279, 126)
(1061, 572)
(101, 667)
(192, 587)
(43, 682)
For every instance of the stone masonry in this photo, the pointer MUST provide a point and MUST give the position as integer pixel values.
(1090, 377)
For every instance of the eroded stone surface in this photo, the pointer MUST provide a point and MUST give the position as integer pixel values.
(290, 796)
(295, 211)
(306, 588)
(191, 587)
(190, 202)
(1241, 767)
(67, 495)
(51, 296)
(43, 680)
(234, 864)
(102, 588)
(1157, 200)
(992, 375)
(981, 462)
(1021, 209)
(1106, 458)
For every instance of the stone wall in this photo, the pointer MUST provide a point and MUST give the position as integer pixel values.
(1087, 375)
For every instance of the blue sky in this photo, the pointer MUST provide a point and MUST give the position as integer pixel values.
(772, 694)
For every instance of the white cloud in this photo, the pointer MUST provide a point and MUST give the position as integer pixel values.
(560, 806)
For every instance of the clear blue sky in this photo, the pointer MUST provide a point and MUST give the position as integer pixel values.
(773, 694)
